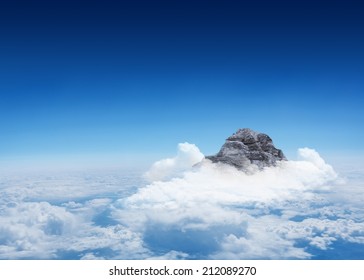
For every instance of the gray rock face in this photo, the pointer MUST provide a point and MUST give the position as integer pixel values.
(247, 147)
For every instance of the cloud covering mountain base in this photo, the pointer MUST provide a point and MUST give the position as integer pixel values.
(191, 208)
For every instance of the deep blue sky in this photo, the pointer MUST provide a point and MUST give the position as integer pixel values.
(137, 77)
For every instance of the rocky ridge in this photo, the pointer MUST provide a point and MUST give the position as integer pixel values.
(246, 147)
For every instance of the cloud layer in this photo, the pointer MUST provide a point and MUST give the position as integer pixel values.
(191, 209)
(232, 214)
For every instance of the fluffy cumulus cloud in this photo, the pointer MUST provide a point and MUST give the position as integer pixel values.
(190, 209)
(221, 212)
(187, 156)
(211, 193)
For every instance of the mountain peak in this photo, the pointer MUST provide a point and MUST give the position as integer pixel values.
(246, 147)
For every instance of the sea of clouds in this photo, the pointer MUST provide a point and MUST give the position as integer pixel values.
(185, 208)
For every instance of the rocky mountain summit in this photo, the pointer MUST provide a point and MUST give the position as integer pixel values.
(247, 147)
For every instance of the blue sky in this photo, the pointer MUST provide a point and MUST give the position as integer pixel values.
(134, 78)
(121, 83)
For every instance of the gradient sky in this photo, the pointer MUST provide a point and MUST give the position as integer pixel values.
(134, 78)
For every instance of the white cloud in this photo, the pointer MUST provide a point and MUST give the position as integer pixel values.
(210, 192)
(189, 211)
(42, 231)
(322, 232)
(324, 172)
(68, 186)
(171, 255)
(28, 229)
(216, 198)
(187, 156)
(91, 256)
(262, 245)
(31, 227)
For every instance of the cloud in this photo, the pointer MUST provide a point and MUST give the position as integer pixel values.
(68, 186)
(210, 192)
(238, 215)
(77, 227)
(187, 156)
(262, 245)
(172, 255)
(28, 229)
(44, 231)
(188, 211)
(323, 171)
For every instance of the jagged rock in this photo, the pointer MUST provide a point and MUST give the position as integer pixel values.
(247, 147)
